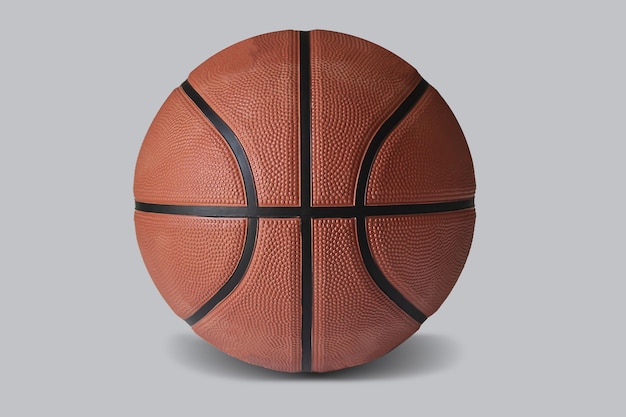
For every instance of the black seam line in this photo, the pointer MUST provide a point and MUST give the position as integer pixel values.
(251, 199)
(234, 279)
(380, 136)
(305, 209)
(230, 137)
(364, 173)
(297, 212)
(379, 278)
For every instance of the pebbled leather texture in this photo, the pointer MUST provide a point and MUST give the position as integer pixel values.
(259, 322)
(424, 160)
(355, 86)
(189, 258)
(184, 160)
(254, 87)
(422, 255)
(353, 321)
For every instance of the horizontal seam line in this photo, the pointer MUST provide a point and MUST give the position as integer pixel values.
(297, 212)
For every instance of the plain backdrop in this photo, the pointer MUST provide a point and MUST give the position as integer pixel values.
(535, 325)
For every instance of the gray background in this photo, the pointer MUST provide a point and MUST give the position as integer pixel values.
(535, 325)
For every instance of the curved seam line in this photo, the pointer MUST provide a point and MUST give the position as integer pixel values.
(364, 174)
(379, 138)
(230, 137)
(251, 199)
(379, 277)
(235, 278)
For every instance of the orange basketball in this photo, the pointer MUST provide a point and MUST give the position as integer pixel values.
(304, 200)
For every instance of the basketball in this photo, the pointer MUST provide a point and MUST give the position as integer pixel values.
(304, 201)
